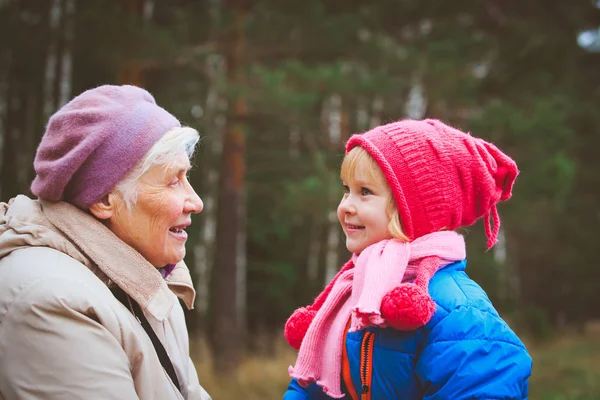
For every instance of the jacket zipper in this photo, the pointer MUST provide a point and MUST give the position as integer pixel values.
(366, 364)
(347, 378)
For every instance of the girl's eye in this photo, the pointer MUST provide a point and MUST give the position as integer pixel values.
(365, 191)
(346, 189)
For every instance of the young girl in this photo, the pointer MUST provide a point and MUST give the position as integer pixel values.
(401, 319)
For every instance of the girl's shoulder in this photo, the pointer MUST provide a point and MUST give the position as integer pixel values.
(464, 311)
(452, 288)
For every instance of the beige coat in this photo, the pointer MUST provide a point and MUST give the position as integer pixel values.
(63, 335)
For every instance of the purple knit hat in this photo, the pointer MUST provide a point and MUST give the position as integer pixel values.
(94, 141)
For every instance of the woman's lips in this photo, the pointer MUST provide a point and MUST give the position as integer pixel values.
(179, 234)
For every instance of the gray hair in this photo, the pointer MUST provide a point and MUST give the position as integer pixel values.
(162, 153)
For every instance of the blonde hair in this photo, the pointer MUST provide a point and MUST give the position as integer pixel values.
(359, 159)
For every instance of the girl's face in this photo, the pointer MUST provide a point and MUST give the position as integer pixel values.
(363, 209)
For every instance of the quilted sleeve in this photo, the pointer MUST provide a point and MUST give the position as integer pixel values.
(473, 354)
(297, 392)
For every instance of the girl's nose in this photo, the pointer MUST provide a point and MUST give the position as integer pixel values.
(347, 205)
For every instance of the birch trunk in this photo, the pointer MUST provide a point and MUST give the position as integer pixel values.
(314, 250)
(335, 130)
(509, 284)
(377, 109)
(51, 70)
(333, 242)
(416, 104)
(204, 249)
(4, 76)
(12, 113)
(13, 132)
(148, 11)
(214, 108)
(66, 60)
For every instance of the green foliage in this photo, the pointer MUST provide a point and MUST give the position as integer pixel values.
(566, 370)
(540, 139)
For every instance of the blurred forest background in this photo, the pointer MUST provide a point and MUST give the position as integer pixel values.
(276, 87)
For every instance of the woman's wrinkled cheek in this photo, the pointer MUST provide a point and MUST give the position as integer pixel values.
(154, 207)
(169, 210)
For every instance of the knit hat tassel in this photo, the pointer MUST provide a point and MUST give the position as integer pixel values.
(409, 306)
(492, 233)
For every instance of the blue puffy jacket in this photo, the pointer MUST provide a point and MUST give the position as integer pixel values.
(466, 351)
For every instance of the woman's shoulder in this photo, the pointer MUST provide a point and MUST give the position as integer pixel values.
(46, 278)
(39, 262)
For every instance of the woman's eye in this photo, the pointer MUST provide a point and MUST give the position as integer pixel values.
(365, 192)
(174, 182)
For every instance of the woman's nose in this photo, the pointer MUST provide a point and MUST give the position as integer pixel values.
(194, 203)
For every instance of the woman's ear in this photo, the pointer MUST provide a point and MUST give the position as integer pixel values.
(105, 208)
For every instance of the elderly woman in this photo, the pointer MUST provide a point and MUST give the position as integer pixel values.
(90, 272)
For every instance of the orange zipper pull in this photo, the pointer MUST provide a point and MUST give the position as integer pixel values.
(366, 364)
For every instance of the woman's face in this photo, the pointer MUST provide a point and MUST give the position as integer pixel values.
(156, 224)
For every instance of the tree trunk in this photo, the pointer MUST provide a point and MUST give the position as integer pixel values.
(51, 72)
(148, 11)
(228, 297)
(294, 137)
(362, 115)
(214, 122)
(509, 282)
(132, 71)
(66, 60)
(204, 249)
(377, 109)
(337, 129)
(55, 90)
(12, 111)
(9, 157)
(5, 61)
(314, 250)
(28, 140)
(333, 242)
(416, 104)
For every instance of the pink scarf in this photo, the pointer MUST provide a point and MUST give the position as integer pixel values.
(357, 292)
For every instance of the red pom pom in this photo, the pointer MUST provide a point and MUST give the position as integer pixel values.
(407, 307)
(297, 325)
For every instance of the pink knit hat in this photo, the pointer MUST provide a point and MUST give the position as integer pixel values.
(441, 178)
(94, 141)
